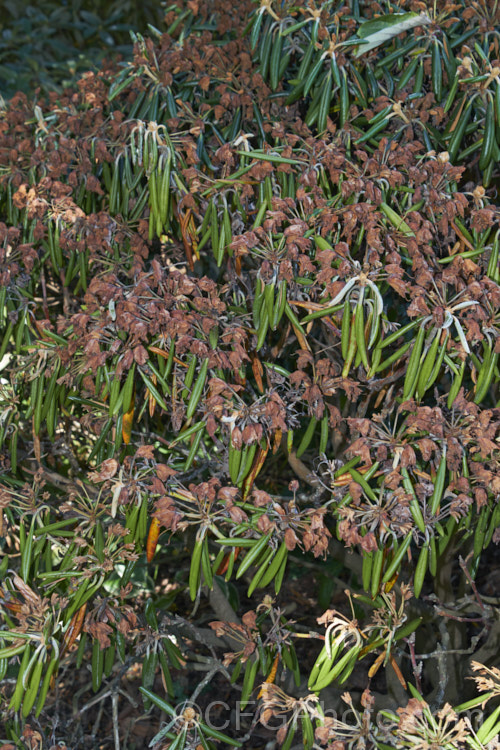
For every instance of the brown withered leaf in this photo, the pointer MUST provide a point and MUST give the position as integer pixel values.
(228, 494)
(417, 307)
(454, 454)
(249, 619)
(355, 490)
(408, 457)
(291, 539)
(261, 498)
(128, 621)
(264, 523)
(145, 451)
(164, 472)
(167, 513)
(427, 447)
(107, 470)
(360, 448)
(363, 426)
(398, 285)
(31, 597)
(369, 542)
(99, 630)
(140, 355)
(237, 514)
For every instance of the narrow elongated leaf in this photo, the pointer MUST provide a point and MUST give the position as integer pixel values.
(379, 30)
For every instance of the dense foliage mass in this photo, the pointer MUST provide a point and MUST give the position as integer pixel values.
(249, 426)
(48, 44)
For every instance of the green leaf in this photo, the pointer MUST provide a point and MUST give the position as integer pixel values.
(379, 30)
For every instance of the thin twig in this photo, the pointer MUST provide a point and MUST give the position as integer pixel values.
(217, 667)
(97, 721)
(116, 727)
(438, 653)
(463, 565)
(417, 668)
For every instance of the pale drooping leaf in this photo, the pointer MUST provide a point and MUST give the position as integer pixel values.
(379, 30)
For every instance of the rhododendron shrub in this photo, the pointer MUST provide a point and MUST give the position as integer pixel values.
(249, 294)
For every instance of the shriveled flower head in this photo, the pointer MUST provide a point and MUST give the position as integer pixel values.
(361, 732)
(286, 710)
(488, 680)
(420, 729)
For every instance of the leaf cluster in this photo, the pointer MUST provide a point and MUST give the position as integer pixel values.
(50, 44)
